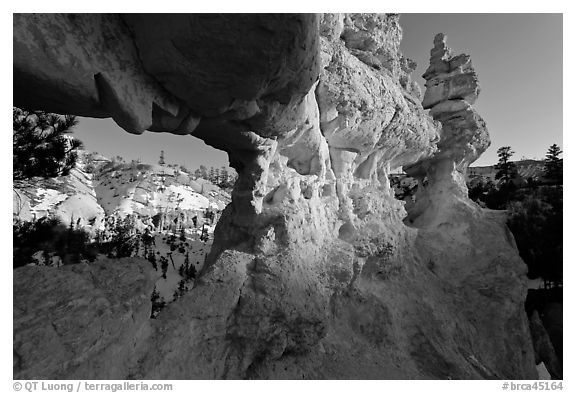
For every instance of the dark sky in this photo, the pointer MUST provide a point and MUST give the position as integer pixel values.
(518, 58)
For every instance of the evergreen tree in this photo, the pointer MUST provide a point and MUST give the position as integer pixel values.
(203, 172)
(41, 145)
(152, 260)
(164, 266)
(224, 177)
(191, 272)
(157, 303)
(505, 169)
(181, 290)
(186, 264)
(123, 241)
(553, 164)
(211, 174)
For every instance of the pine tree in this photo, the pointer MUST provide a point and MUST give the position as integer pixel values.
(211, 174)
(41, 145)
(190, 272)
(181, 290)
(224, 177)
(505, 169)
(152, 260)
(157, 303)
(553, 164)
(203, 172)
(186, 265)
(164, 266)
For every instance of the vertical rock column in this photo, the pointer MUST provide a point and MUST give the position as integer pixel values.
(451, 90)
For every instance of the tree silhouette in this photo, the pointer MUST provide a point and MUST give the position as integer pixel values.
(41, 144)
(505, 169)
(553, 164)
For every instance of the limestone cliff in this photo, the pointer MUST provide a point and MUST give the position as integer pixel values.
(313, 273)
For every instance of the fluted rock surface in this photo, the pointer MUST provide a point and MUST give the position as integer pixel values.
(313, 273)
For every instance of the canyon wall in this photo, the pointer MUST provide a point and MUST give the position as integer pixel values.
(316, 271)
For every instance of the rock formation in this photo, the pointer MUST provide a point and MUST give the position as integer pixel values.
(451, 89)
(313, 273)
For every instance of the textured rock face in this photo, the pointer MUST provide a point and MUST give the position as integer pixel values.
(313, 273)
(80, 320)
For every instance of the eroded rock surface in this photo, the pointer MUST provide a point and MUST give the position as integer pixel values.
(313, 273)
(80, 321)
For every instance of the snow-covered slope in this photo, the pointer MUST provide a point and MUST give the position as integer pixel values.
(70, 198)
(115, 189)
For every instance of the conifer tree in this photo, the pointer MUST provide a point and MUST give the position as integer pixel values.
(182, 234)
(203, 172)
(164, 266)
(181, 290)
(41, 144)
(553, 164)
(211, 174)
(152, 259)
(224, 177)
(506, 169)
(157, 303)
